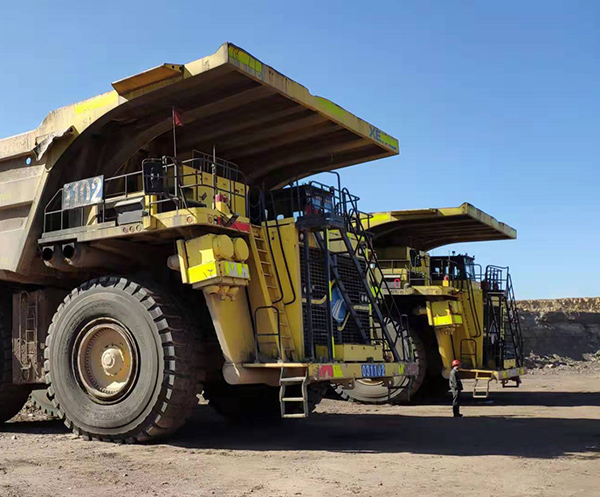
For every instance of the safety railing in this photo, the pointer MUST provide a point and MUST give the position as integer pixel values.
(181, 181)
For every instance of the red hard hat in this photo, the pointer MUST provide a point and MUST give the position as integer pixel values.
(455, 362)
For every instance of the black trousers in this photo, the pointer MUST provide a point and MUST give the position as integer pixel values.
(455, 402)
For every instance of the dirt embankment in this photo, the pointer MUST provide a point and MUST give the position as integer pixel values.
(563, 329)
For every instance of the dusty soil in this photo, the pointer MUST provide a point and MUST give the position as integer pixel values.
(540, 440)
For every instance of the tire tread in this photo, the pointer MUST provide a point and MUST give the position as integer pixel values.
(179, 386)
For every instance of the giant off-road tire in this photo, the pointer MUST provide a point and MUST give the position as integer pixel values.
(12, 397)
(402, 390)
(121, 362)
(43, 402)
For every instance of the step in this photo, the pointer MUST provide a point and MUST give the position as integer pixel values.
(292, 399)
(295, 416)
(292, 379)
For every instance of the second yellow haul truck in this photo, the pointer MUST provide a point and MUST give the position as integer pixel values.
(454, 308)
(151, 250)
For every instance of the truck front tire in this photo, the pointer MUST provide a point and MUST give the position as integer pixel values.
(121, 364)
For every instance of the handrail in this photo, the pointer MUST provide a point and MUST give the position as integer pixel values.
(120, 186)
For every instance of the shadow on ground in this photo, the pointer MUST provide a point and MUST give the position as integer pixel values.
(388, 433)
(35, 427)
(395, 431)
(522, 398)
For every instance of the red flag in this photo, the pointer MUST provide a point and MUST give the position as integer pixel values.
(176, 119)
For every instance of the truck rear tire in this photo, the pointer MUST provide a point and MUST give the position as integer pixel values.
(376, 392)
(121, 364)
(12, 397)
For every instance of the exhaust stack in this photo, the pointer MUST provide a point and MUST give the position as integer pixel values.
(83, 256)
(54, 258)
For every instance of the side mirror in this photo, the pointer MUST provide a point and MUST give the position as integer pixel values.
(154, 177)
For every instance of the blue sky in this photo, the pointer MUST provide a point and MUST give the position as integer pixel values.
(494, 103)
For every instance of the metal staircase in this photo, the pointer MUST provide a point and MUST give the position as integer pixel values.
(331, 215)
(343, 297)
(482, 391)
(293, 394)
(503, 329)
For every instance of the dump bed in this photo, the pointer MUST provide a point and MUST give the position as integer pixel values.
(228, 102)
(426, 229)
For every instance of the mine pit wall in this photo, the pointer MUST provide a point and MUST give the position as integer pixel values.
(567, 327)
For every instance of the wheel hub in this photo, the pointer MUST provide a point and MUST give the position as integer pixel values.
(105, 359)
(113, 360)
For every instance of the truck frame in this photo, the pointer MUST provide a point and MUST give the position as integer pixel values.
(158, 243)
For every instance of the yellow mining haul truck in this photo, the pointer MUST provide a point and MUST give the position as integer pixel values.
(455, 309)
(138, 271)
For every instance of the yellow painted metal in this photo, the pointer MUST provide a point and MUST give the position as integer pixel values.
(346, 370)
(183, 261)
(458, 323)
(204, 187)
(445, 313)
(454, 308)
(233, 325)
(139, 102)
(340, 371)
(261, 293)
(219, 273)
(498, 374)
(469, 340)
(423, 291)
(265, 74)
(213, 254)
(426, 229)
(285, 251)
(209, 265)
(147, 78)
(166, 223)
(510, 373)
(352, 353)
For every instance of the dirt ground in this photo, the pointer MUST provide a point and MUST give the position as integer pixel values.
(540, 440)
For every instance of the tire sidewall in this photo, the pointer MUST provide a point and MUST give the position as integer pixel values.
(130, 411)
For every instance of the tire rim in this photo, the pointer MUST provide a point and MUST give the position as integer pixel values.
(105, 359)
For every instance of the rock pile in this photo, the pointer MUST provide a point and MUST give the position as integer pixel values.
(554, 361)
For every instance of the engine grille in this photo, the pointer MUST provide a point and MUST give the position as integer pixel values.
(347, 331)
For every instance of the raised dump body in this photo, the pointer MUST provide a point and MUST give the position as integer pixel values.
(456, 309)
(229, 282)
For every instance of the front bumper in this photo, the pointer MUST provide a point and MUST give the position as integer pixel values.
(352, 371)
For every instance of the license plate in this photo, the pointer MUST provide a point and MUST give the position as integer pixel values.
(373, 370)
